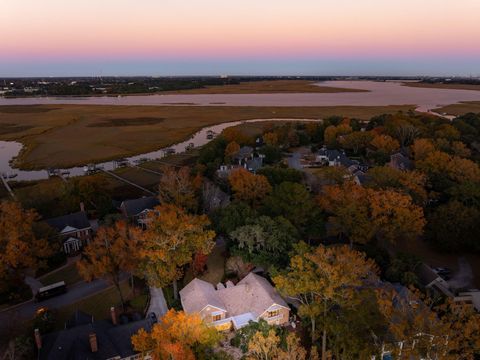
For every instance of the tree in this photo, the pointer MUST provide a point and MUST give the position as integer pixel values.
(454, 226)
(409, 182)
(421, 148)
(356, 141)
(19, 247)
(277, 175)
(333, 132)
(178, 187)
(270, 138)
(249, 187)
(406, 134)
(424, 329)
(361, 213)
(113, 251)
(171, 240)
(234, 134)
(177, 336)
(385, 145)
(231, 149)
(263, 347)
(232, 216)
(323, 278)
(291, 200)
(265, 241)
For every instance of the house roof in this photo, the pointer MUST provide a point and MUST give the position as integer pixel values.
(198, 294)
(425, 274)
(400, 162)
(73, 343)
(254, 164)
(136, 206)
(338, 156)
(253, 294)
(76, 220)
(244, 152)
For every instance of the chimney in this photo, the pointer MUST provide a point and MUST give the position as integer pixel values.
(113, 315)
(93, 342)
(82, 206)
(38, 339)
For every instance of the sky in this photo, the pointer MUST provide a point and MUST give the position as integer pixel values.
(239, 37)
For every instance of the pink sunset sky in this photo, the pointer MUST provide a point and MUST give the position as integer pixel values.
(239, 36)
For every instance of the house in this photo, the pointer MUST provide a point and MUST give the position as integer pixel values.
(245, 153)
(470, 298)
(335, 158)
(229, 305)
(245, 158)
(75, 231)
(400, 162)
(432, 282)
(136, 210)
(86, 339)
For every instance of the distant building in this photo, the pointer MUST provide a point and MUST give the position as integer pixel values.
(229, 305)
(75, 231)
(136, 210)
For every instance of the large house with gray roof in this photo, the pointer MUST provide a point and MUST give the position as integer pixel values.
(234, 306)
(136, 210)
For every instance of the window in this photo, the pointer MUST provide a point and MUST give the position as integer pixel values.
(217, 317)
(273, 313)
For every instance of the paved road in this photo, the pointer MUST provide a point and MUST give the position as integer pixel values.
(75, 293)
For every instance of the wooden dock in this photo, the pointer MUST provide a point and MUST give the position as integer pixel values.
(128, 182)
(9, 189)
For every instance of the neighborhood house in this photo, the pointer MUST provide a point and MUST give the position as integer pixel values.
(75, 231)
(229, 305)
(136, 210)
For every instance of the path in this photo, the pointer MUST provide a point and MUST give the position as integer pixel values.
(9, 189)
(128, 182)
(148, 170)
(158, 305)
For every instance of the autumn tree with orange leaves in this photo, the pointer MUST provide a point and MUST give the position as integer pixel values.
(417, 327)
(179, 187)
(177, 336)
(361, 213)
(321, 279)
(19, 247)
(249, 187)
(112, 252)
(171, 240)
(230, 151)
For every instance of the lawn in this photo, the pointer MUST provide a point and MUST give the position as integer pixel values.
(66, 135)
(69, 274)
(460, 108)
(99, 304)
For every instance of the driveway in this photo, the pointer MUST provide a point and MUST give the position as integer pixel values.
(158, 305)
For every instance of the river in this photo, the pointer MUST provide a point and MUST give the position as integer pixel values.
(379, 94)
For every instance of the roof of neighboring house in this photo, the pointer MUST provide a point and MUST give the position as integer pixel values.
(425, 274)
(244, 152)
(338, 156)
(254, 294)
(136, 206)
(254, 164)
(73, 221)
(73, 343)
(400, 162)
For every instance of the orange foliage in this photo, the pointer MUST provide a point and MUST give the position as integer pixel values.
(270, 138)
(385, 144)
(249, 187)
(231, 149)
(175, 337)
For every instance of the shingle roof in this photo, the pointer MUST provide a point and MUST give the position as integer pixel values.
(254, 294)
(400, 162)
(136, 206)
(73, 343)
(76, 220)
(244, 152)
(198, 294)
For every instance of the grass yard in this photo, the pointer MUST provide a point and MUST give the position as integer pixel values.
(69, 274)
(99, 304)
(267, 87)
(67, 135)
(460, 108)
